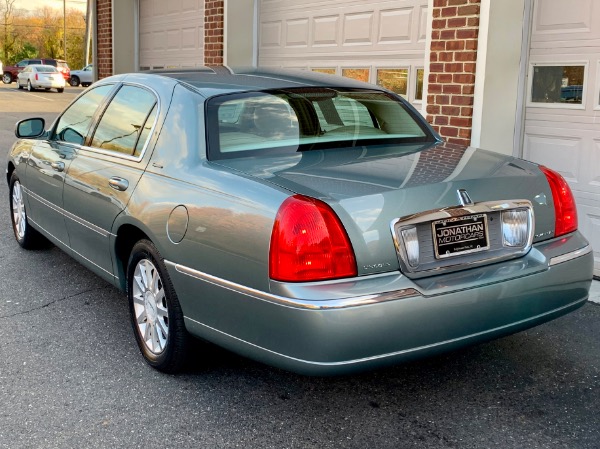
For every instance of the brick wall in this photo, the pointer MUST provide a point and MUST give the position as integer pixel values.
(455, 30)
(213, 32)
(104, 38)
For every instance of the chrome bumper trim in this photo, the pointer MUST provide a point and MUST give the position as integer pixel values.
(570, 256)
(342, 303)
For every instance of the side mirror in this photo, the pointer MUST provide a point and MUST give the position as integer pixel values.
(30, 128)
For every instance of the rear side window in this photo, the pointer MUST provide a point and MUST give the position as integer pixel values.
(303, 119)
(73, 125)
(124, 121)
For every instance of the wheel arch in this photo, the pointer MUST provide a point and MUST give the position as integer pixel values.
(9, 171)
(126, 237)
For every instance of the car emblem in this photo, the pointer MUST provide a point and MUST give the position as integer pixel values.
(463, 197)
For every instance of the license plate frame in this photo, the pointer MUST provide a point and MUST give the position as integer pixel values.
(456, 236)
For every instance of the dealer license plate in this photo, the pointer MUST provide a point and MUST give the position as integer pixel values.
(460, 235)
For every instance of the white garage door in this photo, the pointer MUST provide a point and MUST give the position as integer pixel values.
(562, 126)
(372, 40)
(171, 33)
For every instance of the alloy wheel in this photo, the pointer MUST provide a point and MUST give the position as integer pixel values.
(18, 210)
(150, 306)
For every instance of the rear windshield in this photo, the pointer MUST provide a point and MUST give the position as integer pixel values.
(46, 69)
(304, 119)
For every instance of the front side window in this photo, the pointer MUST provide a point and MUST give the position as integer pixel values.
(124, 120)
(303, 119)
(73, 125)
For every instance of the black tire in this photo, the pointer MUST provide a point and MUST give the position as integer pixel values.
(74, 81)
(60, 90)
(26, 236)
(7, 78)
(155, 310)
(29, 86)
(19, 86)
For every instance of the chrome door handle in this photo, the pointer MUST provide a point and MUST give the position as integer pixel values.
(58, 166)
(118, 183)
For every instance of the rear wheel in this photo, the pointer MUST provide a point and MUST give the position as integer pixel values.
(25, 235)
(7, 78)
(155, 312)
(29, 86)
(60, 90)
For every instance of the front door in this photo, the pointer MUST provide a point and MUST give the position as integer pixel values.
(104, 174)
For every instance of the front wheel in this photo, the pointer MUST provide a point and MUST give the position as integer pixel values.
(74, 81)
(25, 235)
(154, 309)
(7, 78)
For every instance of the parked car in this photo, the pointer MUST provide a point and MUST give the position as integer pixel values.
(10, 72)
(38, 76)
(85, 76)
(312, 222)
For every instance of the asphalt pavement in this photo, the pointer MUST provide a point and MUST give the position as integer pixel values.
(71, 375)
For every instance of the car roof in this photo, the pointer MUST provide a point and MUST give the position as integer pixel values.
(211, 81)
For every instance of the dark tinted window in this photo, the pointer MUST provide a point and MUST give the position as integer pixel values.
(73, 126)
(124, 120)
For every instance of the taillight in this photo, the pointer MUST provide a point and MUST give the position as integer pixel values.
(309, 243)
(565, 210)
(36, 76)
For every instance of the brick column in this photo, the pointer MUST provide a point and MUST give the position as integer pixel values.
(455, 29)
(213, 32)
(104, 38)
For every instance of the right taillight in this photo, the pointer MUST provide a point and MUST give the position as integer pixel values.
(309, 243)
(565, 210)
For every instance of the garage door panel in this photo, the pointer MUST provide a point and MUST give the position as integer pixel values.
(375, 25)
(171, 33)
(395, 26)
(333, 35)
(326, 31)
(589, 225)
(559, 17)
(550, 151)
(296, 32)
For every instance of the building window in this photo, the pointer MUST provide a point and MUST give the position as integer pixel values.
(357, 74)
(563, 84)
(395, 80)
(325, 70)
(419, 85)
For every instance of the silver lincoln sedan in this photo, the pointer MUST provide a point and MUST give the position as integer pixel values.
(312, 222)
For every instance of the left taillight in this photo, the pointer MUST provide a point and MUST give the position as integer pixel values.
(309, 243)
(565, 209)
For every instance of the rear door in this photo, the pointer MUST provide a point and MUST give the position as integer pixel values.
(104, 173)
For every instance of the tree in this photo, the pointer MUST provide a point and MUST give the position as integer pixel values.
(9, 36)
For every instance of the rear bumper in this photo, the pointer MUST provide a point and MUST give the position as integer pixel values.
(342, 326)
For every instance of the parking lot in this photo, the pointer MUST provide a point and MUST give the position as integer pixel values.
(71, 375)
